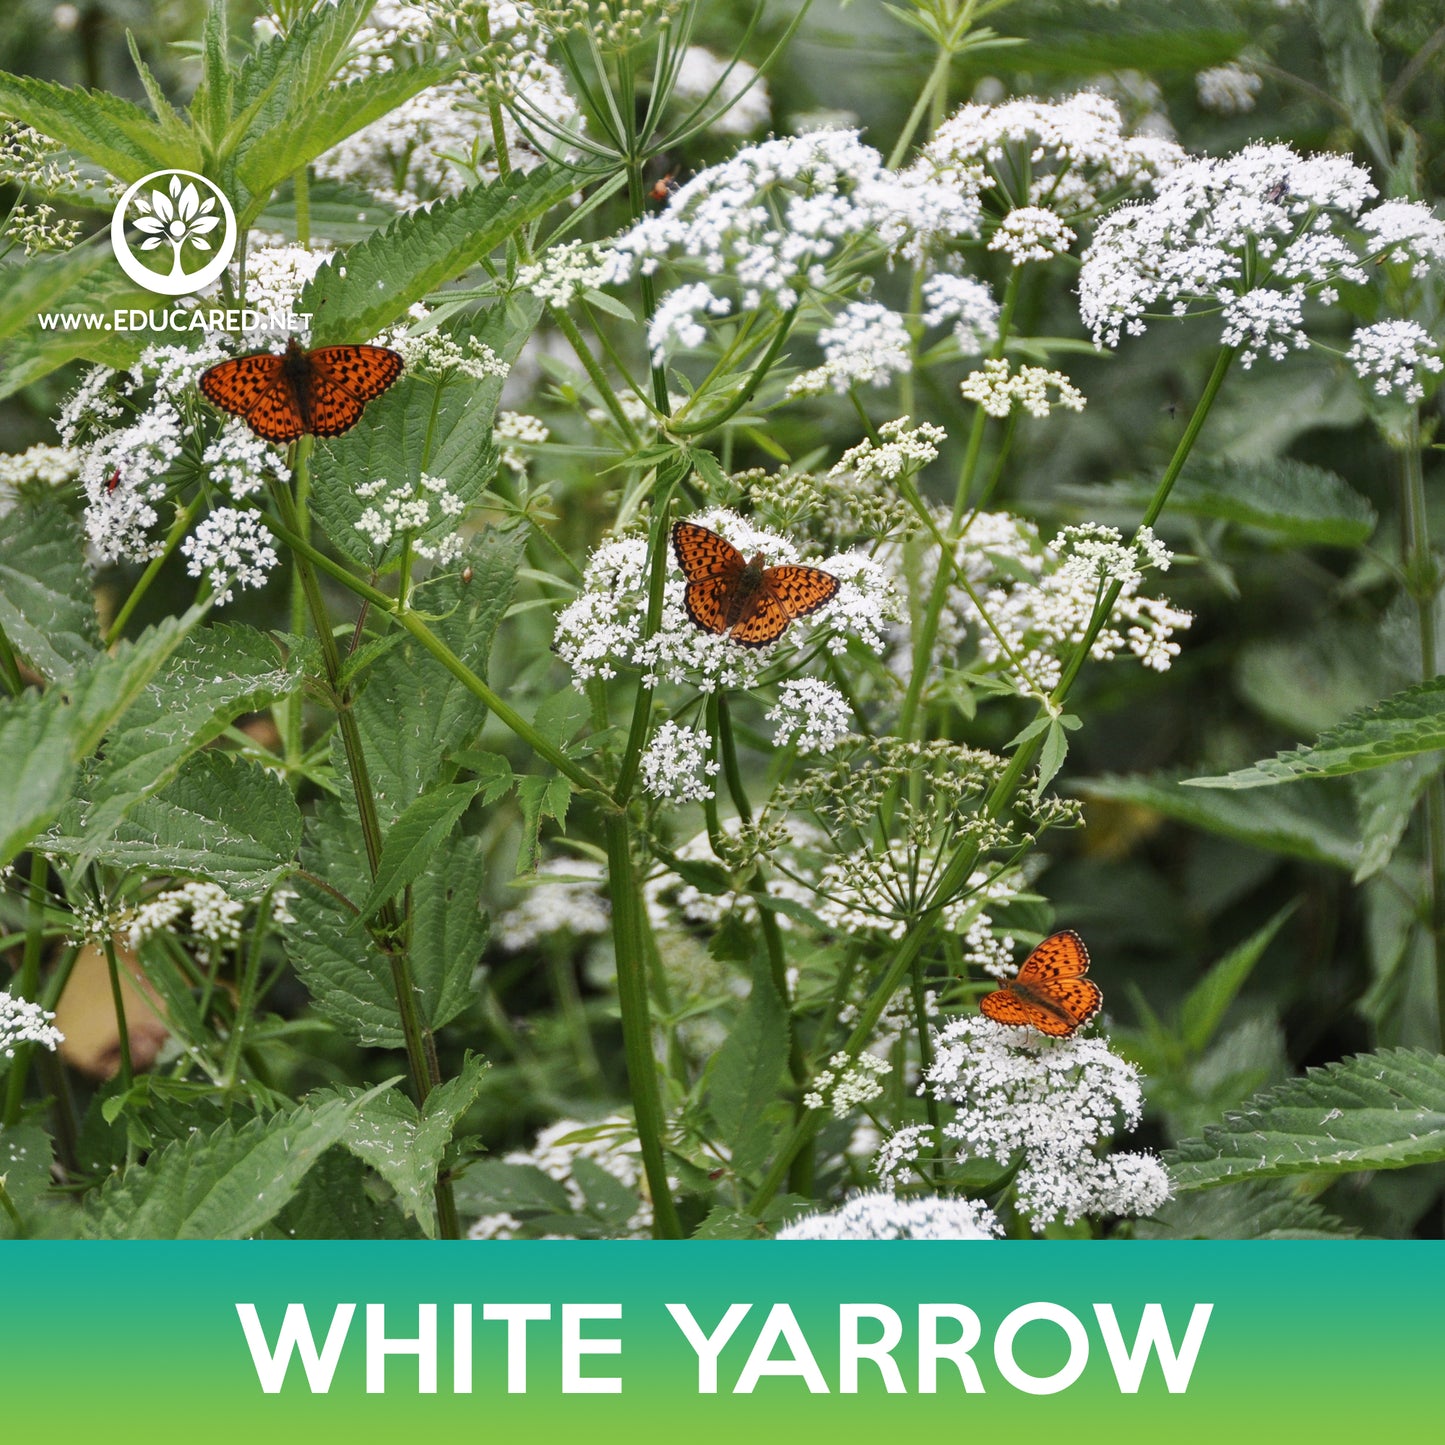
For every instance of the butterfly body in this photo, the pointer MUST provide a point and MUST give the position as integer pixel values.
(298, 393)
(1050, 992)
(751, 602)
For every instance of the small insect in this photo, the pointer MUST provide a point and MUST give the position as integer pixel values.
(663, 187)
(467, 575)
(113, 480)
(321, 392)
(1278, 193)
(1050, 991)
(751, 602)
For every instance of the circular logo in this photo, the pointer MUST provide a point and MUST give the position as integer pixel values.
(184, 217)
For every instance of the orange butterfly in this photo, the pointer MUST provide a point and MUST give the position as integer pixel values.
(322, 392)
(752, 602)
(1050, 991)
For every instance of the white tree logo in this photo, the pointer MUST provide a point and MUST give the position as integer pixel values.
(183, 212)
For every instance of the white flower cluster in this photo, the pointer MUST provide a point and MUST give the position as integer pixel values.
(41, 228)
(880, 1214)
(435, 352)
(277, 272)
(215, 918)
(1067, 157)
(23, 1022)
(231, 549)
(998, 389)
(847, 1084)
(703, 76)
(567, 898)
(614, 1148)
(1048, 1105)
(676, 766)
(564, 271)
(866, 345)
(772, 216)
(1250, 236)
(1392, 354)
(1032, 233)
(515, 430)
(811, 715)
(48, 465)
(969, 304)
(1227, 89)
(438, 142)
(406, 509)
(603, 628)
(1037, 624)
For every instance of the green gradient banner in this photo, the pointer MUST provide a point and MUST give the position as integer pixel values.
(139, 1342)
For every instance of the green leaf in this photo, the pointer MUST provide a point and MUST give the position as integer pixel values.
(607, 1198)
(1387, 798)
(539, 797)
(744, 1077)
(215, 677)
(1264, 1209)
(118, 136)
(442, 715)
(336, 1201)
(46, 607)
(1316, 824)
(1208, 1001)
(44, 283)
(1295, 501)
(406, 1147)
(422, 251)
(412, 841)
(43, 736)
(1051, 755)
(346, 974)
(220, 818)
(25, 1157)
(1352, 59)
(1383, 1110)
(490, 1187)
(211, 104)
(1402, 726)
(224, 1185)
(270, 156)
(449, 929)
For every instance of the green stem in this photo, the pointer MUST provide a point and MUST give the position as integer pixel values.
(565, 324)
(1422, 576)
(10, 666)
(122, 1028)
(179, 528)
(711, 423)
(420, 1046)
(632, 998)
(998, 803)
(504, 714)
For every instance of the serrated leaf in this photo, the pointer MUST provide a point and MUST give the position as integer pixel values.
(422, 251)
(1262, 1209)
(405, 1146)
(1051, 755)
(1387, 798)
(1317, 824)
(44, 736)
(46, 607)
(1402, 726)
(25, 1158)
(442, 716)
(43, 283)
(221, 818)
(118, 136)
(539, 798)
(450, 929)
(335, 1202)
(215, 677)
(1295, 501)
(223, 1185)
(413, 840)
(1384, 1110)
(271, 155)
(744, 1077)
(491, 1187)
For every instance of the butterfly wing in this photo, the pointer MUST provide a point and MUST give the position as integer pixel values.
(765, 620)
(1061, 955)
(1004, 1006)
(1078, 997)
(364, 371)
(706, 601)
(276, 415)
(800, 590)
(238, 385)
(333, 408)
(702, 553)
